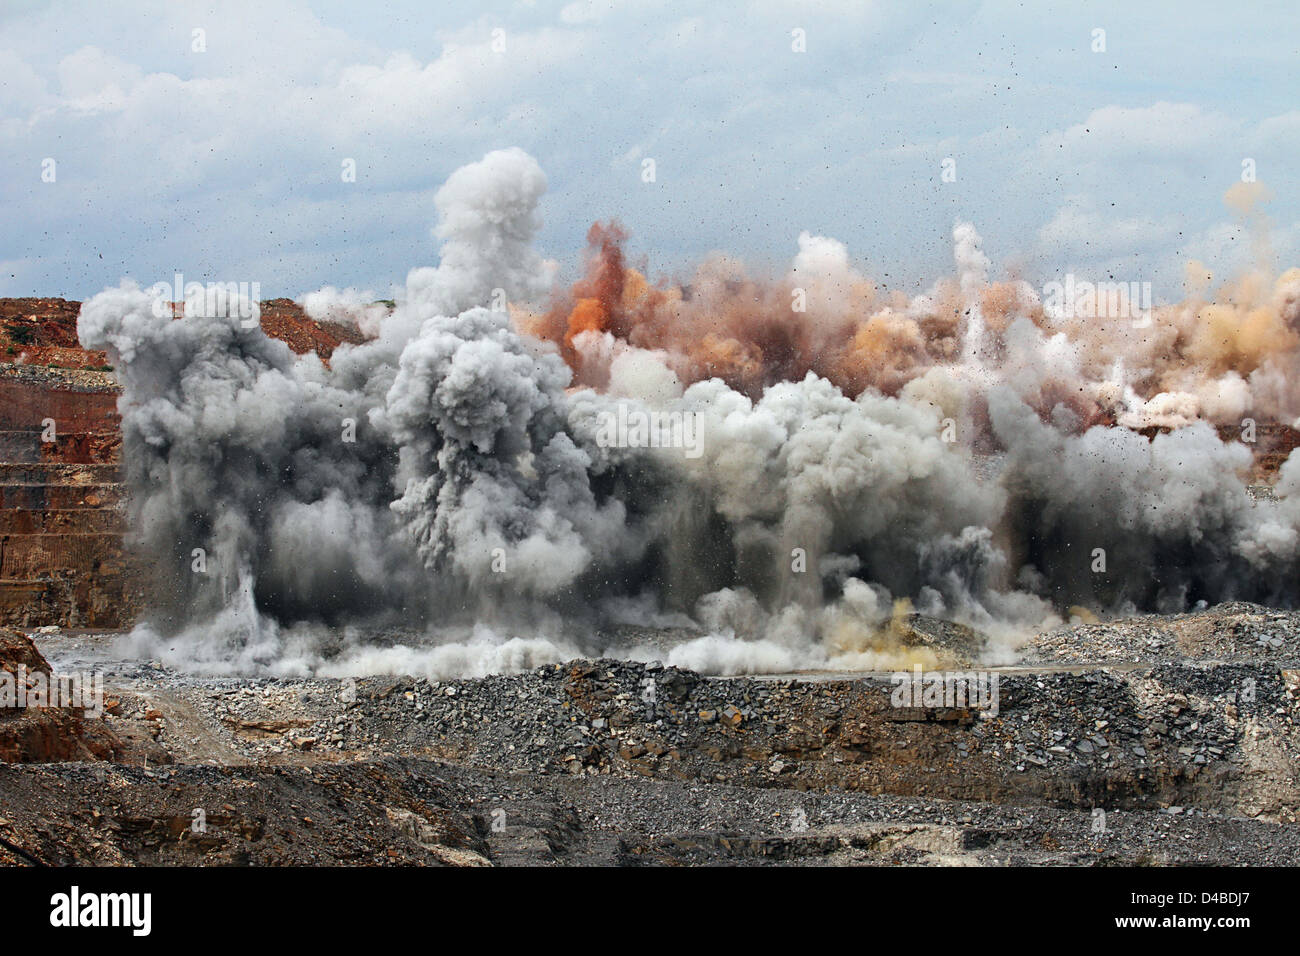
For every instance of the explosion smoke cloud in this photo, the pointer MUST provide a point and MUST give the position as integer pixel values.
(446, 482)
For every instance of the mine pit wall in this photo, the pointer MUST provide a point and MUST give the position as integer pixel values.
(62, 560)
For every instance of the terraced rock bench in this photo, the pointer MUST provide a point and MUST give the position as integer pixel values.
(62, 559)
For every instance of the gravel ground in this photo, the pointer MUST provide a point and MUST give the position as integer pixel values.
(1165, 740)
(418, 812)
(1226, 632)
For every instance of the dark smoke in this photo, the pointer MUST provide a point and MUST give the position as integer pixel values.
(439, 500)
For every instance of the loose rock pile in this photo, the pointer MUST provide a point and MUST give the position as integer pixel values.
(1188, 755)
(31, 734)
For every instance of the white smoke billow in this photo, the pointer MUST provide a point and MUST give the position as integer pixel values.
(436, 500)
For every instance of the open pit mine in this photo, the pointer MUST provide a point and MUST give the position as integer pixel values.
(725, 569)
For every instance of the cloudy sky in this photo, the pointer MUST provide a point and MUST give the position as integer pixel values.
(226, 162)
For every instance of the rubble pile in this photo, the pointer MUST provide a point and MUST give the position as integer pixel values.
(1223, 633)
(1172, 759)
(1168, 735)
(43, 734)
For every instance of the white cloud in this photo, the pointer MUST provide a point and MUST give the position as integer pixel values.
(90, 73)
(1080, 230)
(231, 158)
(587, 11)
(1162, 129)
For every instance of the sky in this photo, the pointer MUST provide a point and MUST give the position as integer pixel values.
(220, 154)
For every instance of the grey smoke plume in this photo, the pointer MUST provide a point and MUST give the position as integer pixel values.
(438, 500)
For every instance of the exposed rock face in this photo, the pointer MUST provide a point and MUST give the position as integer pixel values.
(46, 734)
(62, 503)
(44, 332)
(285, 320)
